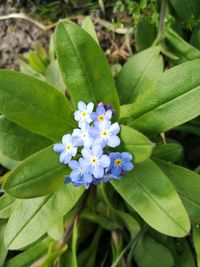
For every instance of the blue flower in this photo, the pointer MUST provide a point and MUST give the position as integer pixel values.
(95, 161)
(82, 136)
(120, 163)
(79, 175)
(106, 134)
(108, 177)
(101, 114)
(83, 112)
(67, 149)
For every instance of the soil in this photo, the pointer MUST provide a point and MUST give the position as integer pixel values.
(17, 37)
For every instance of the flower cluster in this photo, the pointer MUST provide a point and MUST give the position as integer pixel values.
(89, 145)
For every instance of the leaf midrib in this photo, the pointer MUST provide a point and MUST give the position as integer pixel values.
(30, 219)
(157, 203)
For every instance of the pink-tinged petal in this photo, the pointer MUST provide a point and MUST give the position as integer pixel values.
(97, 150)
(105, 161)
(81, 106)
(86, 153)
(127, 166)
(67, 138)
(77, 115)
(90, 107)
(114, 128)
(108, 114)
(98, 171)
(113, 141)
(58, 148)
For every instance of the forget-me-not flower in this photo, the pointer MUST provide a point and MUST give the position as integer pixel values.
(83, 113)
(101, 114)
(95, 162)
(120, 163)
(67, 149)
(106, 134)
(80, 174)
(82, 136)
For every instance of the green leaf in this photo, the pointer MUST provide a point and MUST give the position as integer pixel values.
(187, 184)
(6, 204)
(7, 162)
(171, 100)
(70, 257)
(145, 33)
(30, 255)
(137, 71)
(32, 218)
(169, 151)
(34, 105)
(17, 143)
(149, 253)
(186, 8)
(88, 26)
(135, 143)
(3, 249)
(83, 65)
(54, 78)
(196, 242)
(36, 176)
(57, 230)
(180, 47)
(147, 190)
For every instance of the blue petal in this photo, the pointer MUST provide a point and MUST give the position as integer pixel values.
(74, 151)
(116, 171)
(76, 132)
(126, 156)
(90, 107)
(87, 178)
(81, 106)
(77, 115)
(58, 148)
(75, 176)
(98, 171)
(97, 150)
(100, 110)
(114, 128)
(93, 116)
(93, 132)
(86, 153)
(105, 161)
(74, 164)
(108, 114)
(67, 180)
(85, 164)
(113, 141)
(67, 138)
(65, 157)
(127, 166)
(114, 155)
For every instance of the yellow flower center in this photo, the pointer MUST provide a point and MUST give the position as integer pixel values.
(118, 162)
(104, 134)
(101, 118)
(68, 147)
(94, 160)
(84, 114)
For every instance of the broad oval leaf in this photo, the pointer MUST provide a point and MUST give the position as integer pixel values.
(150, 253)
(34, 105)
(171, 100)
(36, 176)
(6, 204)
(147, 190)
(186, 9)
(187, 184)
(135, 143)
(137, 71)
(17, 143)
(170, 151)
(83, 65)
(196, 242)
(32, 218)
(3, 250)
